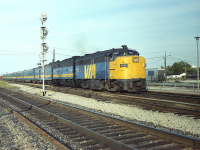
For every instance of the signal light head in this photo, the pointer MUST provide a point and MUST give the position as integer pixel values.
(44, 31)
(44, 47)
(43, 16)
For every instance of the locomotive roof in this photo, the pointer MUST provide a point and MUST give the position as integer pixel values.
(106, 52)
(96, 54)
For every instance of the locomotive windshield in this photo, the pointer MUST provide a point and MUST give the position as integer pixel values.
(125, 53)
(135, 53)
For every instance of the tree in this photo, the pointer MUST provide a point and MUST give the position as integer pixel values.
(179, 67)
(169, 69)
(191, 70)
(185, 63)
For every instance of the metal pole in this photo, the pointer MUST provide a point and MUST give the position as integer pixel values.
(185, 70)
(165, 67)
(197, 65)
(197, 39)
(193, 87)
(43, 18)
(54, 55)
(43, 65)
(43, 72)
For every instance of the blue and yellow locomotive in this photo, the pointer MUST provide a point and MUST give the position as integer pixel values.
(119, 69)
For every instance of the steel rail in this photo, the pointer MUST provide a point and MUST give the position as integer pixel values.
(180, 107)
(193, 142)
(36, 128)
(99, 137)
(189, 110)
(164, 107)
(175, 93)
(132, 98)
(158, 100)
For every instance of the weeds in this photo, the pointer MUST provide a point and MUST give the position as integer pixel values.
(6, 85)
(36, 94)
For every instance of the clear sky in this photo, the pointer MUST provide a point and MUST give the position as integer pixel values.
(86, 26)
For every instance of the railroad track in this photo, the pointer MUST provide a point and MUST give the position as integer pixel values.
(178, 106)
(188, 105)
(183, 97)
(157, 104)
(94, 130)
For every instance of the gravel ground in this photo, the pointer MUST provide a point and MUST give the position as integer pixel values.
(37, 142)
(14, 134)
(183, 90)
(168, 121)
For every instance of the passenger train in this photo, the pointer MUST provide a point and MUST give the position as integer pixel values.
(119, 69)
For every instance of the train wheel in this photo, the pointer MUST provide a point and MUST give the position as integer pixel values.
(111, 88)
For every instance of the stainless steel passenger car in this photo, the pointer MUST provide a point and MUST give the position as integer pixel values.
(155, 75)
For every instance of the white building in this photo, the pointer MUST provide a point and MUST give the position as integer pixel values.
(177, 76)
(194, 67)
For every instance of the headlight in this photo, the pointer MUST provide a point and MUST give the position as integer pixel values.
(135, 59)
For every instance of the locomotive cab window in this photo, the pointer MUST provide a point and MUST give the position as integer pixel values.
(133, 53)
(118, 54)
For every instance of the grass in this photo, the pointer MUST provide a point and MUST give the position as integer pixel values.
(6, 85)
(36, 94)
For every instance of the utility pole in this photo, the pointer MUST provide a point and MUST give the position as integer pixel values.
(165, 66)
(44, 46)
(185, 70)
(197, 39)
(53, 55)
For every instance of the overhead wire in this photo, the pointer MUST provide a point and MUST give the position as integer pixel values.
(170, 53)
(16, 51)
(156, 61)
(27, 53)
(60, 54)
(64, 55)
(181, 55)
(67, 49)
(153, 52)
(181, 60)
(20, 54)
(154, 57)
(169, 57)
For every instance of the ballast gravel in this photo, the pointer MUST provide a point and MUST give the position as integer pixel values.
(37, 143)
(167, 121)
(14, 134)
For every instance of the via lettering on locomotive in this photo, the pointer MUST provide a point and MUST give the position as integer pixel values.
(90, 71)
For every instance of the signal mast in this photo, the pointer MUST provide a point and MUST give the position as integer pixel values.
(44, 47)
